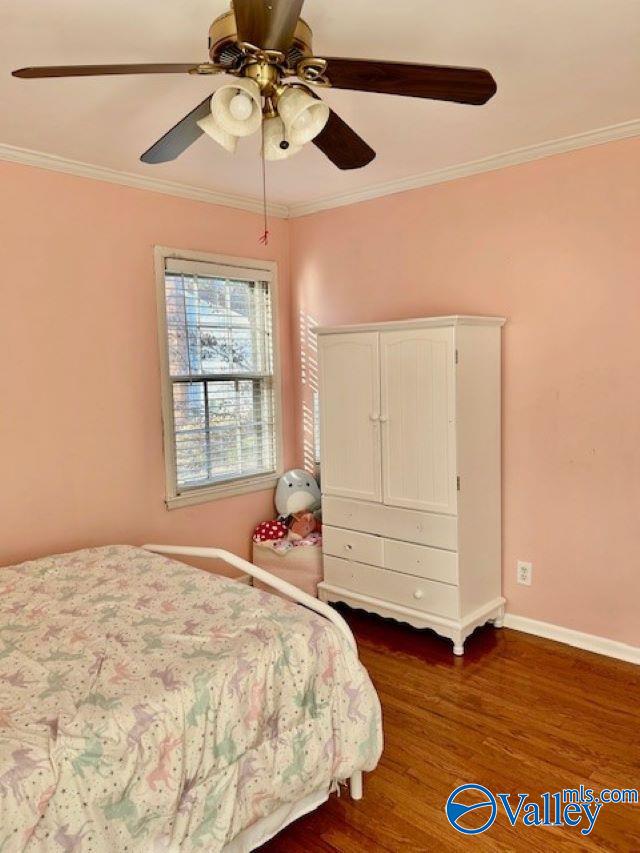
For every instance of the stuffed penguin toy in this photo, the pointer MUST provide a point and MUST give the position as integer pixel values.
(297, 492)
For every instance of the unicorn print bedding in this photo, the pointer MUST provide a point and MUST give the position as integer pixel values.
(146, 705)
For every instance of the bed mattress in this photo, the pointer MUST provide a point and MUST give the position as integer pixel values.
(146, 705)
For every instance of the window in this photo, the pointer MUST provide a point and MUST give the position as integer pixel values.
(220, 389)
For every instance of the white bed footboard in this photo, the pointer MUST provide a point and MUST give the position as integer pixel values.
(260, 574)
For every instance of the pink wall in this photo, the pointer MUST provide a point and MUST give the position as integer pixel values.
(555, 247)
(80, 437)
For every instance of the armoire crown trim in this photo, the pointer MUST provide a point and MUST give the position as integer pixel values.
(414, 323)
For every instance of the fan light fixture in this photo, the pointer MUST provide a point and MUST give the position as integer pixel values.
(290, 117)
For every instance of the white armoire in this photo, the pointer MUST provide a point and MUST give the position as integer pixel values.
(410, 471)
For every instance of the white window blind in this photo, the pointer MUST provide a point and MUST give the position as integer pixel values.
(220, 357)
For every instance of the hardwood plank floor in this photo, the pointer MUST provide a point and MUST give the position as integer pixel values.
(516, 714)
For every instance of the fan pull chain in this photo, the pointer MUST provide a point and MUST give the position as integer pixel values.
(264, 239)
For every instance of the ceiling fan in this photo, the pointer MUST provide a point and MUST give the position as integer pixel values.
(267, 48)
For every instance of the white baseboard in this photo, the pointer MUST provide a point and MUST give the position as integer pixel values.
(588, 642)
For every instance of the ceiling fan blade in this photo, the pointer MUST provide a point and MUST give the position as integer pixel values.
(342, 145)
(267, 24)
(99, 70)
(438, 82)
(180, 137)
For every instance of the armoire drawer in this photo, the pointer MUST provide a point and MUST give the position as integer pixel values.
(428, 596)
(361, 547)
(430, 563)
(423, 528)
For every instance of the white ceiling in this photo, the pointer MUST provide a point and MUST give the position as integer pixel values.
(563, 67)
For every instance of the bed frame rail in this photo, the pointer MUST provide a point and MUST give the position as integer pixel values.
(266, 577)
(355, 782)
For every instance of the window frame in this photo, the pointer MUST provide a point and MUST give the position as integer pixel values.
(174, 498)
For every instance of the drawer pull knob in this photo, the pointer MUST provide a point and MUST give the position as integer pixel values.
(348, 547)
(418, 594)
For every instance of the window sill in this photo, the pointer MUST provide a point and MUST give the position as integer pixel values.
(225, 490)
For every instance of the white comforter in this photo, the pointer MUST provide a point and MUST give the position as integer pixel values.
(146, 705)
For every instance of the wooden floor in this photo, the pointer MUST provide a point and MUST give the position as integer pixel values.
(516, 714)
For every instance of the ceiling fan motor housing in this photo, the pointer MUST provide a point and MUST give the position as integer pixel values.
(224, 49)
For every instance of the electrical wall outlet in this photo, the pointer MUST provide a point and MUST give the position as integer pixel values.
(524, 573)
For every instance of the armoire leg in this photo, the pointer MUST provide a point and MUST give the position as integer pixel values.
(458, 649)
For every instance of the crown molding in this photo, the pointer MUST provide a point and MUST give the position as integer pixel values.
(53, 163)
(515, 157)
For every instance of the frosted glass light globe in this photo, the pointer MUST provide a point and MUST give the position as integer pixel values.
(241, 98)
(241, 106)
(302, 123)
(303, 115)
(274, 136)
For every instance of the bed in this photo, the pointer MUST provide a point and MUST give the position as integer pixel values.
(149, 706)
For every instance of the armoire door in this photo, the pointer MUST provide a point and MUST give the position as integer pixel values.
(350, 456)
(418, 419)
